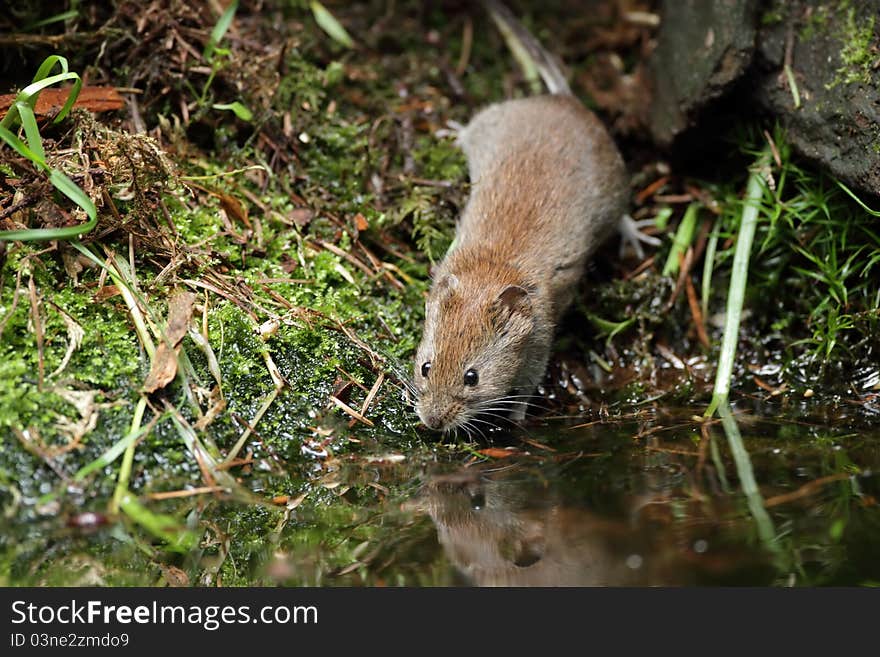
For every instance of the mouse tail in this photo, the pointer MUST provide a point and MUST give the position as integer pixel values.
(529, 53)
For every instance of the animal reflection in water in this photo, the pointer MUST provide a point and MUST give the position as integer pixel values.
(509, 531)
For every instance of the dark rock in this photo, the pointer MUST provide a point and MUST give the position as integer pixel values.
(830, 47)
(702, 47)
(832, 50)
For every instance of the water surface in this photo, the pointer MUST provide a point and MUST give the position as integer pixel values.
(654, 498)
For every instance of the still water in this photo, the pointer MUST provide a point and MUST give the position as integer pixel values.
(655, 498)
(663, 499)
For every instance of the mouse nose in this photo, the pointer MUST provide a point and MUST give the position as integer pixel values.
(433, 422)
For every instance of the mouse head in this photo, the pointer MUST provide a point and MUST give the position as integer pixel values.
(472, 350)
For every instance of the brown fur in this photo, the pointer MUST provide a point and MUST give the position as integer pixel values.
(548, 186)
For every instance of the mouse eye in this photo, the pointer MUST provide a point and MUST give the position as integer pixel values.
(426, 367)
(471, 378)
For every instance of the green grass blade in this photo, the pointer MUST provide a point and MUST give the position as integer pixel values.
(21, 148)
(683, 238)
(33, 90)
(31, 130)
(113, 453)
(520, 52)
(746, 475)
(327, 22)
(609, 328)
(30, 93)
(48, 64)
(45, 234)
(71, 99)
(131, 297)
(57, 18)
(220, 30)
(69, 188)
(662, 218)
(708, 268)
(792, 84)
(241, 111)
(33, 151)
(739, 276)
(127, 460)
(162, 526)
(873, 213)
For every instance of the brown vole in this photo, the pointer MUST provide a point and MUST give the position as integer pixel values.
(548, 185)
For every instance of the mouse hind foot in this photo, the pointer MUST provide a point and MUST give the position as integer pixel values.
(632, 236)
(452, 130)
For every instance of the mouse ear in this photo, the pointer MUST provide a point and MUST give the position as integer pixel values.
(513, 301)
(440, 291)
(444, 285)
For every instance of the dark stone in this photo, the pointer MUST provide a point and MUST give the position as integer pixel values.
(833, 59)
(703, 46)
(831, 47)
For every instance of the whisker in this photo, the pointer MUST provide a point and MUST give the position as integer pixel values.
(509, 405)
(500, 413)
(467, 426)
(497, 409)
(511, 400)
(401, 386)
(482, 421)
(506, 405)
(499, 417)
(512, 397)
(481, 432)
(515, 396)
(495, 412)
(513, 425)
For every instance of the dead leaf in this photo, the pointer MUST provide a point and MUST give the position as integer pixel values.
(75, 335)
(288, 264)
(163, 369)
(234, 208)
(296, 501)
(174, 576)
(301, 217)
(164, 366)
(106, 292)
(498, 453)
(94, 99)
(84, 402)
(217, 406)
(180, 310)
(350, 568)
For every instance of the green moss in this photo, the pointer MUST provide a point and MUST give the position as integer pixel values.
(816, 22)
(107, 359)
(857, 58)
(774, 14)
